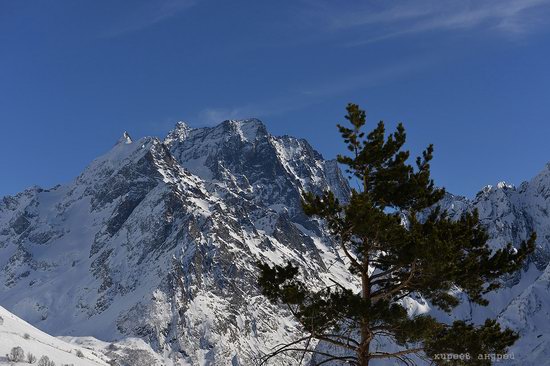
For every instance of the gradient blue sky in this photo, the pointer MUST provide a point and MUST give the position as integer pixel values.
(472, 77)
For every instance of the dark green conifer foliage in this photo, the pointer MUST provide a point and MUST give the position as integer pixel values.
(392, 260)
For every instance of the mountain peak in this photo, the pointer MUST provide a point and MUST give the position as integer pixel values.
(500, 186)
(248, 129)
(182, 126)
(125, 138)
(179, 133)
(504, 185)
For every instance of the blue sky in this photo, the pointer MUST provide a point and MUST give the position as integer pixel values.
(472, 77)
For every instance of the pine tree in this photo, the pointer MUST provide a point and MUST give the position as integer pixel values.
(394, 254)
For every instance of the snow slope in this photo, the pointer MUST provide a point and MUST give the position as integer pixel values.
(15, 332)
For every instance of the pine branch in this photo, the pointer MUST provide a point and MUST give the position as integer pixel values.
(338, 358)
(353, 260)
(334, 342)
(343, 337)
(382, 274)
(337, 284)
(307, 347)
(379, 355)
(380, 294)
(287, 348)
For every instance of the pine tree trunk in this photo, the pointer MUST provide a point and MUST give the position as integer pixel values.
(363, 351)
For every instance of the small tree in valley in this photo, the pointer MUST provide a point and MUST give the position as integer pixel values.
(16, 354)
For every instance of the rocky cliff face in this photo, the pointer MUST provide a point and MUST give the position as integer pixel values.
(158, 239)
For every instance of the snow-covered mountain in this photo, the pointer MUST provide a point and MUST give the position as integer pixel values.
(158, 240)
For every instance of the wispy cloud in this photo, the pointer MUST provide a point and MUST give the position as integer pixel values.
(261, 109)
(374, 21)
(147, 14)
(307, 95)
(213, 115)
